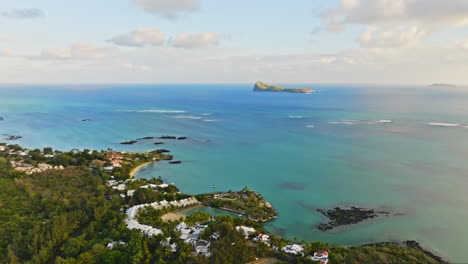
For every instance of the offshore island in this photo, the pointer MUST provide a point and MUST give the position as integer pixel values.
(263, 87)
(84, 206)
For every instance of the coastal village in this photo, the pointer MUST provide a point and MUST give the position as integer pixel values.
(147, 202)
(113, 161)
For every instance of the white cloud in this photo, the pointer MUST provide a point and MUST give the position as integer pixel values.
(195, 40)
(77, 51)
(432, 12)
(399, 37)
(26, 13)
(170, 9)
(4, 38)
(131, 66)
(462, 43)
(8, 53)
(140, 38)
(396, 23)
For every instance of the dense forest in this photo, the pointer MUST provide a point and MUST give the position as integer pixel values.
(71, 216)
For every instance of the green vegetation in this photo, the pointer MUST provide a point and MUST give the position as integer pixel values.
(263, 87)
(72, 216)
(197, 218)
(245, 202)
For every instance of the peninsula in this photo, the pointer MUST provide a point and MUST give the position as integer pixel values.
(263, 87)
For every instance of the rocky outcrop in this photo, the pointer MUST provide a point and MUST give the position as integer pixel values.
(167, 137)
(131, 142)
(160, 151)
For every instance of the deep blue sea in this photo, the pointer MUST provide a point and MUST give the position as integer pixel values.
(301, 151)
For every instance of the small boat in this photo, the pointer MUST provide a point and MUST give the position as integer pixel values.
(213, 186)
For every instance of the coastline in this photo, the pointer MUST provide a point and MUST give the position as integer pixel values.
(137, 168)
(178, 214)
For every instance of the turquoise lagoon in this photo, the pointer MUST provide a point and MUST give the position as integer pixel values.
(301, 151)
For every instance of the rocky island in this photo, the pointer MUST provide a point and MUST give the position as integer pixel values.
(263, 87)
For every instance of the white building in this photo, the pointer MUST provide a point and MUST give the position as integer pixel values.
(293, 249)
(245, 230)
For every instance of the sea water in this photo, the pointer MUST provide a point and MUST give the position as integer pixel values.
(402, 149)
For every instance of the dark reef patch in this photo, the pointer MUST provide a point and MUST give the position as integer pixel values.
(347, 216)
(12, 137)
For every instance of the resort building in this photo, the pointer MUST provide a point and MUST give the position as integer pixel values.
(295, 249)
(321, 256)
(263, 238)
(245, 230)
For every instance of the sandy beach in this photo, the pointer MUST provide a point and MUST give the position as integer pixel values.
(177, 215)
(137, 168)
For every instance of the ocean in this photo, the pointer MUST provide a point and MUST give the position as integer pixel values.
(402, 149)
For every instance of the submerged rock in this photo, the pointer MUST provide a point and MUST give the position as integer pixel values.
(12, 137)
(1, 118)
(347, 216)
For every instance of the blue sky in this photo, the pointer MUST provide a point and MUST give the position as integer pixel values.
(205, 41)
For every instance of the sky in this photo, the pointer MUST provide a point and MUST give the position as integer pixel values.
(243, 41)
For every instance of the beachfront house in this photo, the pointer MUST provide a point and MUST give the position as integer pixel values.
(294, 249)
(320, 256)
(245, 230)
(264, 238)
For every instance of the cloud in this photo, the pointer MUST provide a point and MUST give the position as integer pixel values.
(4, 38)
(433, 12)
(195, 40)
(8, 53)
(462, 43)
(26, 13)
(140, 38)
(396, 23)
(170, 9)
(399, 37)
(77, 51)
(131, 66)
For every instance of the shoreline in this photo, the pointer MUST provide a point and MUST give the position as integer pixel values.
(137, 168)
(178, 214)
